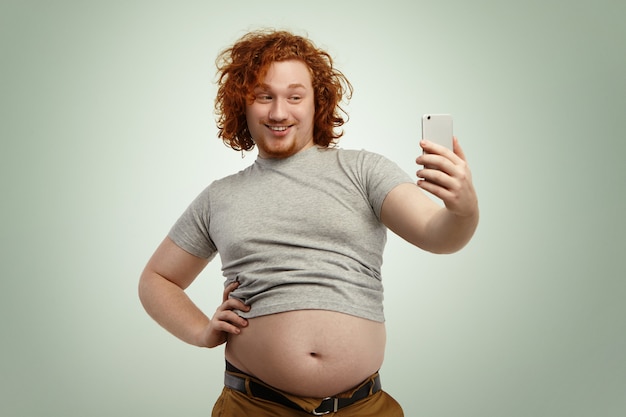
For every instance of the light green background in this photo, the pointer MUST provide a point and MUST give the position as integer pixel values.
(108, 133)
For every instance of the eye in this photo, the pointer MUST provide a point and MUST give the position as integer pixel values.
(263, 98)
(295, 98)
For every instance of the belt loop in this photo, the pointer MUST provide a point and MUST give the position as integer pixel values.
(373, 384)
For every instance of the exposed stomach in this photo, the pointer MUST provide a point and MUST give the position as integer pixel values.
(311, 353)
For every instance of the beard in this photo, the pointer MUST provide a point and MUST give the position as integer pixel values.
(278, 149)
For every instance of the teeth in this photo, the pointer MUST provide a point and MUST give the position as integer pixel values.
(278, 128)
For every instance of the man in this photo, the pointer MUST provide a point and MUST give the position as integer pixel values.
(300, 235)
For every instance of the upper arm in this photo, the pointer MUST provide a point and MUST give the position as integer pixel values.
(406, 211)
(175, 264)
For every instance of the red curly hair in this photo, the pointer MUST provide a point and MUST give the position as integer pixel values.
(243, 66)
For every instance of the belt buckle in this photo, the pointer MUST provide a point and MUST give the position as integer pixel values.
(334, 409)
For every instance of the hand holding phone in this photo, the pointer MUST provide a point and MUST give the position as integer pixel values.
(437, 128)
(448, 176)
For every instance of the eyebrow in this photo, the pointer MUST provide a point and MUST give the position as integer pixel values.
(290, 86)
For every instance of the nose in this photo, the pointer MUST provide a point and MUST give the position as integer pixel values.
(278, 111)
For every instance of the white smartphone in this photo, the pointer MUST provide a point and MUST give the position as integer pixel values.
(437, 128)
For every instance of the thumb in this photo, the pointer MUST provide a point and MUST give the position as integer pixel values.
(456, 147)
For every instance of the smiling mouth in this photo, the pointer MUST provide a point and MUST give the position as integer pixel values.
(277, 128)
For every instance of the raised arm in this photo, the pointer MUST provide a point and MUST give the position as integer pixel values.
(162, 292)
(412, 215)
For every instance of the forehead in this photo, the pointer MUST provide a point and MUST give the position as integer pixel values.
(287, 73)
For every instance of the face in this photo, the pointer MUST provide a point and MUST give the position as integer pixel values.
(280, 119)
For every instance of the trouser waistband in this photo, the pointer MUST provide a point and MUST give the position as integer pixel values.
(236, 379)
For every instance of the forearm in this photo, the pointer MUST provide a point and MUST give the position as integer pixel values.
(448, 232)
(169, 305)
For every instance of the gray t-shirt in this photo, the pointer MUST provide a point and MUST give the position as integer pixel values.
(298, 233)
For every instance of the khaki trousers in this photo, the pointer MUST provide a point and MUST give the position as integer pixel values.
(232, 403)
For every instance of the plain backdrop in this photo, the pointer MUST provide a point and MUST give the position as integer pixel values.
(108, 132)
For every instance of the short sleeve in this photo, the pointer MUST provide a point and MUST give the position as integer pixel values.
(191, 230)
(381, 176)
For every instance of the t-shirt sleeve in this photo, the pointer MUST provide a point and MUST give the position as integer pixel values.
(381, 176)
(191, 230)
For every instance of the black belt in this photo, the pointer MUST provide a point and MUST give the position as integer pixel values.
(328, 405)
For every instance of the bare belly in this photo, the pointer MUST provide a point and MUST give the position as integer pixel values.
(312, 353)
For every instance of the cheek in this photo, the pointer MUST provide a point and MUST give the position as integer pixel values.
(249, 112)
(251, 115)
(309, 113)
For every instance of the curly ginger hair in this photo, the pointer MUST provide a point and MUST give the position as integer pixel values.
(243, 66)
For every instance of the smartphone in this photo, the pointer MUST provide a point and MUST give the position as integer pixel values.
(437, 128)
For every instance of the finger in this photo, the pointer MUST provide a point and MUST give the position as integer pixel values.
(233, 318)
(434, 153)
(436, 163)
(226, 320)
(233, 304)
(229, 288)
(437, 190)
(225, 327)
(436, 177)
(434, 148)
